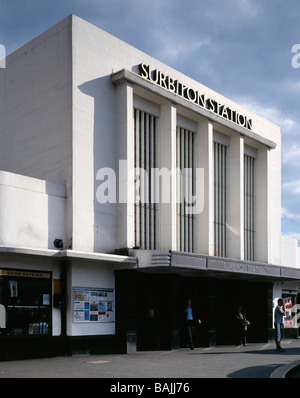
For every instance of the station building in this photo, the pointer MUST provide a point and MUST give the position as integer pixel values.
(127, 187)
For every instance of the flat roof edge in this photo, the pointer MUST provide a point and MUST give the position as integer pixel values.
(66, 253)
(233, 266)
(125, 75)
(97, 256)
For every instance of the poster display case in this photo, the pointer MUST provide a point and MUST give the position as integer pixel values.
(93, 305)
(289, 301)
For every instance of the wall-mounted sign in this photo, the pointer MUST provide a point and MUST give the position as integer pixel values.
(175, 86)
(93, 305)
(24, 274)
(243, 267)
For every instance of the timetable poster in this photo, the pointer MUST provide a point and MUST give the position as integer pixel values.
(93, 305)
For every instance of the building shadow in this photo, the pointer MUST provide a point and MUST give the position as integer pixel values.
(269, 351)
(101, 120)
(260, 372)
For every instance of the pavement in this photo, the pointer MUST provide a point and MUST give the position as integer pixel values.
(251, 361)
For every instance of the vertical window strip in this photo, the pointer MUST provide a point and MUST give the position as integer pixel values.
(185, 162)
(220, 198)
(249, 208)
(144, 162)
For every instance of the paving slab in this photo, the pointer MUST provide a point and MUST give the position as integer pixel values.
(251, 361)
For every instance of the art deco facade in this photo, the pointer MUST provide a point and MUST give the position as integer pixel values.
(81, 111)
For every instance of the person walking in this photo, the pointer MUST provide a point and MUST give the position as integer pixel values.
(190, 323)
(278, 324)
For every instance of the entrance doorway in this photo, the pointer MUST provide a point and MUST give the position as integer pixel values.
(150, 308)
(253, 299)
(154, 313)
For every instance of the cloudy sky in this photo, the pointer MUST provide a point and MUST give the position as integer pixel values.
(239, 48)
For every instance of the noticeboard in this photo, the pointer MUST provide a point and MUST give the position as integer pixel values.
(93, 305)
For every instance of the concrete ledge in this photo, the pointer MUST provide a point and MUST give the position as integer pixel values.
(19, 181)
(65, 253)
(4, 249)
(282, 371)
(97, 256)
(133, 78)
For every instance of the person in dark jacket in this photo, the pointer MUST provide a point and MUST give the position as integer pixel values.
(241, 327)
(190, 320)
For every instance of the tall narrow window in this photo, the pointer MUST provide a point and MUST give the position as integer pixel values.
(249, 208)
(220, 205)
(145, 132)
(186, 189)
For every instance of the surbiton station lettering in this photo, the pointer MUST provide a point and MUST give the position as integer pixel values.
(175, 86)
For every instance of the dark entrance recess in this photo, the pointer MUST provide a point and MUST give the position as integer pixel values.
(150, 309)
(145, 313)
(253, 297)
(154, 313)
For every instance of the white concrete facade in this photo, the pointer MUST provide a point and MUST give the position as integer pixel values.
(82, 121)
(68, 112)
(32, 212)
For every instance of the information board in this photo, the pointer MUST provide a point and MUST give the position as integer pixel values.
(93, 305)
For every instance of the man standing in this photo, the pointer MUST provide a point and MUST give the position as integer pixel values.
(278, 324)
(189, 319)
